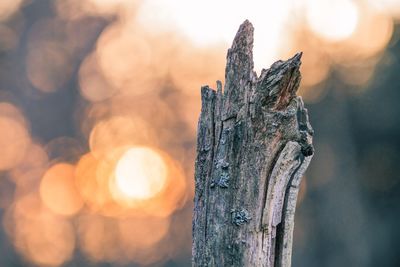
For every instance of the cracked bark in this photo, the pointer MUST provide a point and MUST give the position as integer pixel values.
(254, 144)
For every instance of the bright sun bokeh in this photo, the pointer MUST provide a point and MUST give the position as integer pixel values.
(209, 22)
(140, 173)
(333, 20)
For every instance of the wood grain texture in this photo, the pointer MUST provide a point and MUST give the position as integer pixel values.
(254, 145)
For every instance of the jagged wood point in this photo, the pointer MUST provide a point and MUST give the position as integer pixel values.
(254, 144)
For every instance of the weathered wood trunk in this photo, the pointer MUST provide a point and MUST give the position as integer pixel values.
(254, 144)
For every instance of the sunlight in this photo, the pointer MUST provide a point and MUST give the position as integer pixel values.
(208, 22)
(140, 173)
(333, 20)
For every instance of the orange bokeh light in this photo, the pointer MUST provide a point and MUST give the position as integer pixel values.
(30, 169)
(8, 8)
(333, 20)
(93, 85)
(58, 190)
(117, 131)
(96, 182)
(140, 173)
(39, 235)
(139, 238)
(123, 240)
(14, 137)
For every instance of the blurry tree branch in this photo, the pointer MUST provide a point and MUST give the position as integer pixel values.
(254, 145)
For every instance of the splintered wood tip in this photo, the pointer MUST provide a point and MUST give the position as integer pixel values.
(244, 37)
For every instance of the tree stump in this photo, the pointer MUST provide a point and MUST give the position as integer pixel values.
(254, 144)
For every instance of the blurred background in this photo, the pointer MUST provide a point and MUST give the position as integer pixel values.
(99, 101)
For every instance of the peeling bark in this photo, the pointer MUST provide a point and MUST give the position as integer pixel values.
(254, 144)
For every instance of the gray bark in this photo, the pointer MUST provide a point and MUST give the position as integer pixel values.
(254, 144)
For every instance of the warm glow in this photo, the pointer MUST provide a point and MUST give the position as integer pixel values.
(132, 73)
(109, 186)
(139, 238)
(188, 17)
(104, 154)
(118, 131)
(333, 20)
(391, 7)
(124, 240)
(371, 37)
(58, 190)
(14, 140)
(38, 234)
(92, 183)
(8, 8)
(99, 238)
(140, 173)
(30, 169)
(93, 85)
(209, 22)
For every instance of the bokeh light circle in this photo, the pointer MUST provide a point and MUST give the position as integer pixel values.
(332, 20)
(140, 173)
(58, 190)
